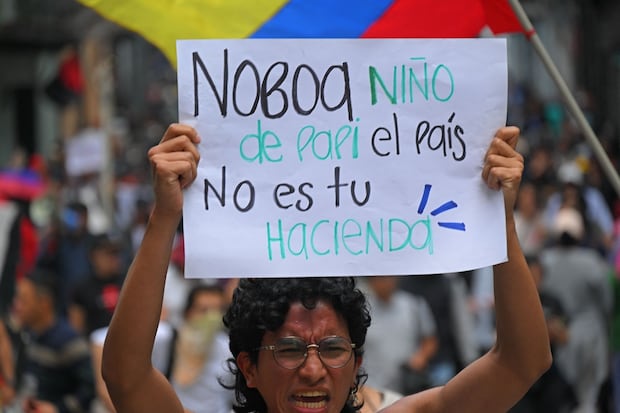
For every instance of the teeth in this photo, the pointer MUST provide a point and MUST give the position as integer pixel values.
(311, 394)
(311, 400)
(313, 405)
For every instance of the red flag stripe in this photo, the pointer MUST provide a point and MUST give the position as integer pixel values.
(430, 19)
(500, 17)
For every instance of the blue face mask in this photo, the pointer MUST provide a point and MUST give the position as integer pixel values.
(70, 219)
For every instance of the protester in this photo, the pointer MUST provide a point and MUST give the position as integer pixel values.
(276, 372)
(161, 358)
(94, 298)
(177, 288)
(57, 374)
(18, 248)
(446, 295)
(200, 354)
(65, 249)
(575, 193)
(401, 363)
(578, 277)
(482, 306)
(551, 393)
(529, 220)
(21, 183)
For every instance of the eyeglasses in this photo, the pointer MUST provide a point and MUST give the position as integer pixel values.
(292, 352)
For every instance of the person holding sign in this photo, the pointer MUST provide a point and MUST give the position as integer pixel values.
(297, 343)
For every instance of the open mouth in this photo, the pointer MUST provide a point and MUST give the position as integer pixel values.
(311, 400)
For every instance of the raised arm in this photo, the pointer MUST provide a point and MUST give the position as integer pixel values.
(133, 383)
(497, 380)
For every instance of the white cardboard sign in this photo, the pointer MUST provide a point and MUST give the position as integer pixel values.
(342, 157)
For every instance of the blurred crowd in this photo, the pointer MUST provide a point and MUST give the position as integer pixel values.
(63, 257)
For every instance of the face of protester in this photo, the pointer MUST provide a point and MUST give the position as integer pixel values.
(205, 302)
(28, 304)
(383, 286)
(312, 387)
(526, 201)
(106, 261)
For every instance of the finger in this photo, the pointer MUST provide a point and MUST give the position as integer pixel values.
(501, 147)
(504, 177)
(509, 134)
(178, 144)
(500, 153)
(497, 163)
(181, 169)
(495, 159)
(167, 158)
(179, 129)
(504, 142)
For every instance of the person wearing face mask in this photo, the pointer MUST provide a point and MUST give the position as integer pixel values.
(198, 366)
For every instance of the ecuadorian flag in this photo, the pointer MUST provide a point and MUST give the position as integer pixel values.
(162, 22)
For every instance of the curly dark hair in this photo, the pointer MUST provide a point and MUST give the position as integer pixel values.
(261, 304)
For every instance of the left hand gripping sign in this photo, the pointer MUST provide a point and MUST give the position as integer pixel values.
(342, 157)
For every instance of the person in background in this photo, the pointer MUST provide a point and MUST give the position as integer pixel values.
(94, 298)
(200, 352)
(577, 276)
(482, 306)
(409, 322)
(529, 220)
(177, 286)
(22, 182)
(446, 295)
(162, 358)
(138, 223)
(57, 374)
(66, 250)
(540, 170)
(551, 393)
(598, 226)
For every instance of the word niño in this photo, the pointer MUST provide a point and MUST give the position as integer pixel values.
(351, 236)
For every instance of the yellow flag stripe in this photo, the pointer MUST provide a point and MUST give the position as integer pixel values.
(162, 22)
